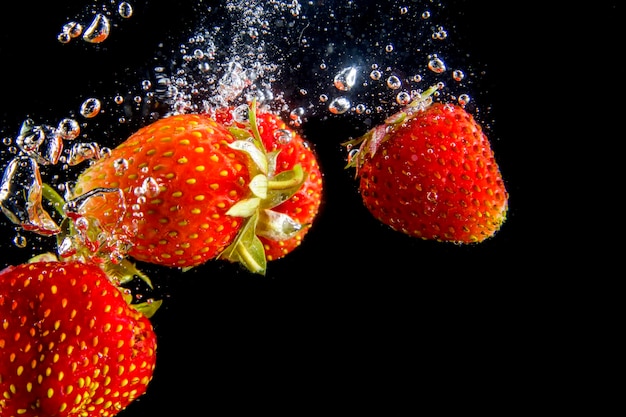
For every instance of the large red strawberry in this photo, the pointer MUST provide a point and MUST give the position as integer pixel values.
(165, 192)
(186, 189)
(430, 172)
(70, 343)
(290, 149)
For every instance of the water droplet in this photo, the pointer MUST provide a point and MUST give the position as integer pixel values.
(98, 30)
(458, 75)
(83, 151)
(120, 165)
(125, 9)
(389, 48)
(21, 197)
(68, 129)
(464, 99)
(339, 105)
(403, 98)
(394, 82)
(41, 142)
(345, 79)
(376, 75)
(283, 136)
(72, 29)
(90, 108)
(20, 241)
(435, 64)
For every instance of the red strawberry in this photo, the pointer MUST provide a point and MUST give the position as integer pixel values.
(178, 177)
(70, 344)
(291, 149)
(430, 172)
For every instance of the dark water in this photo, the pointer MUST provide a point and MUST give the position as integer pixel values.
(357, 306)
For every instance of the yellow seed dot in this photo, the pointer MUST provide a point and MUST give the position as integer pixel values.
(196, 211)
(214, 158)
(199, 197)
(214, 186)
(177, 194)
(191, 181)
(199, 149)
(168, 154)
(182, 160)
(223, 173)
(200, 168)
(184, 142)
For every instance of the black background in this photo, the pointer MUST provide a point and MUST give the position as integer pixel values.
(359, 316)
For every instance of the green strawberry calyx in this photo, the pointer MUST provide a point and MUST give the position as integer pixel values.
(80, 239)
(367, 145)
(268, 189)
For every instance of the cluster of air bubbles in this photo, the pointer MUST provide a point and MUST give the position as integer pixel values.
(43, 144)
(98, 28)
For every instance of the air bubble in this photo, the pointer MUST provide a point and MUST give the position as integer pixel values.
(435, 64)
(283, 136)
(120, 165)
(90, 108)
(345, 79)
(394, 82)
(464, 99)
(20, 241)
(98, 30)
(125, 10)
(403, 98)
(68, 129)
(339, 105)
(458, 75)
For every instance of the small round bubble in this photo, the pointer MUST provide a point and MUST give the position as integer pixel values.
(394, 82)
(458, 75)
(68, 129)
(403, 98)
(436, 65)
(90, 108)
(125, 9)
(339, 105)
(20, 241)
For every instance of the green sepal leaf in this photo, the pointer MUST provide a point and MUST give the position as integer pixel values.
(247, 248)
(258, 186)
(239, 133)
(257, 155)
(148, 308)
(244, 208)
(124, 272)
(276, 226)
(283, 186)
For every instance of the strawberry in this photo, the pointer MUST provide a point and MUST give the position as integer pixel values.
(430, 172)
(290, 149)
(70, 343)
(164, 193)
(186, 189)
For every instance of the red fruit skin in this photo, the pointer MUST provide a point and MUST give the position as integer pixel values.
(435, 177)
(70, 345)
(199, 178)
(304, 205)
